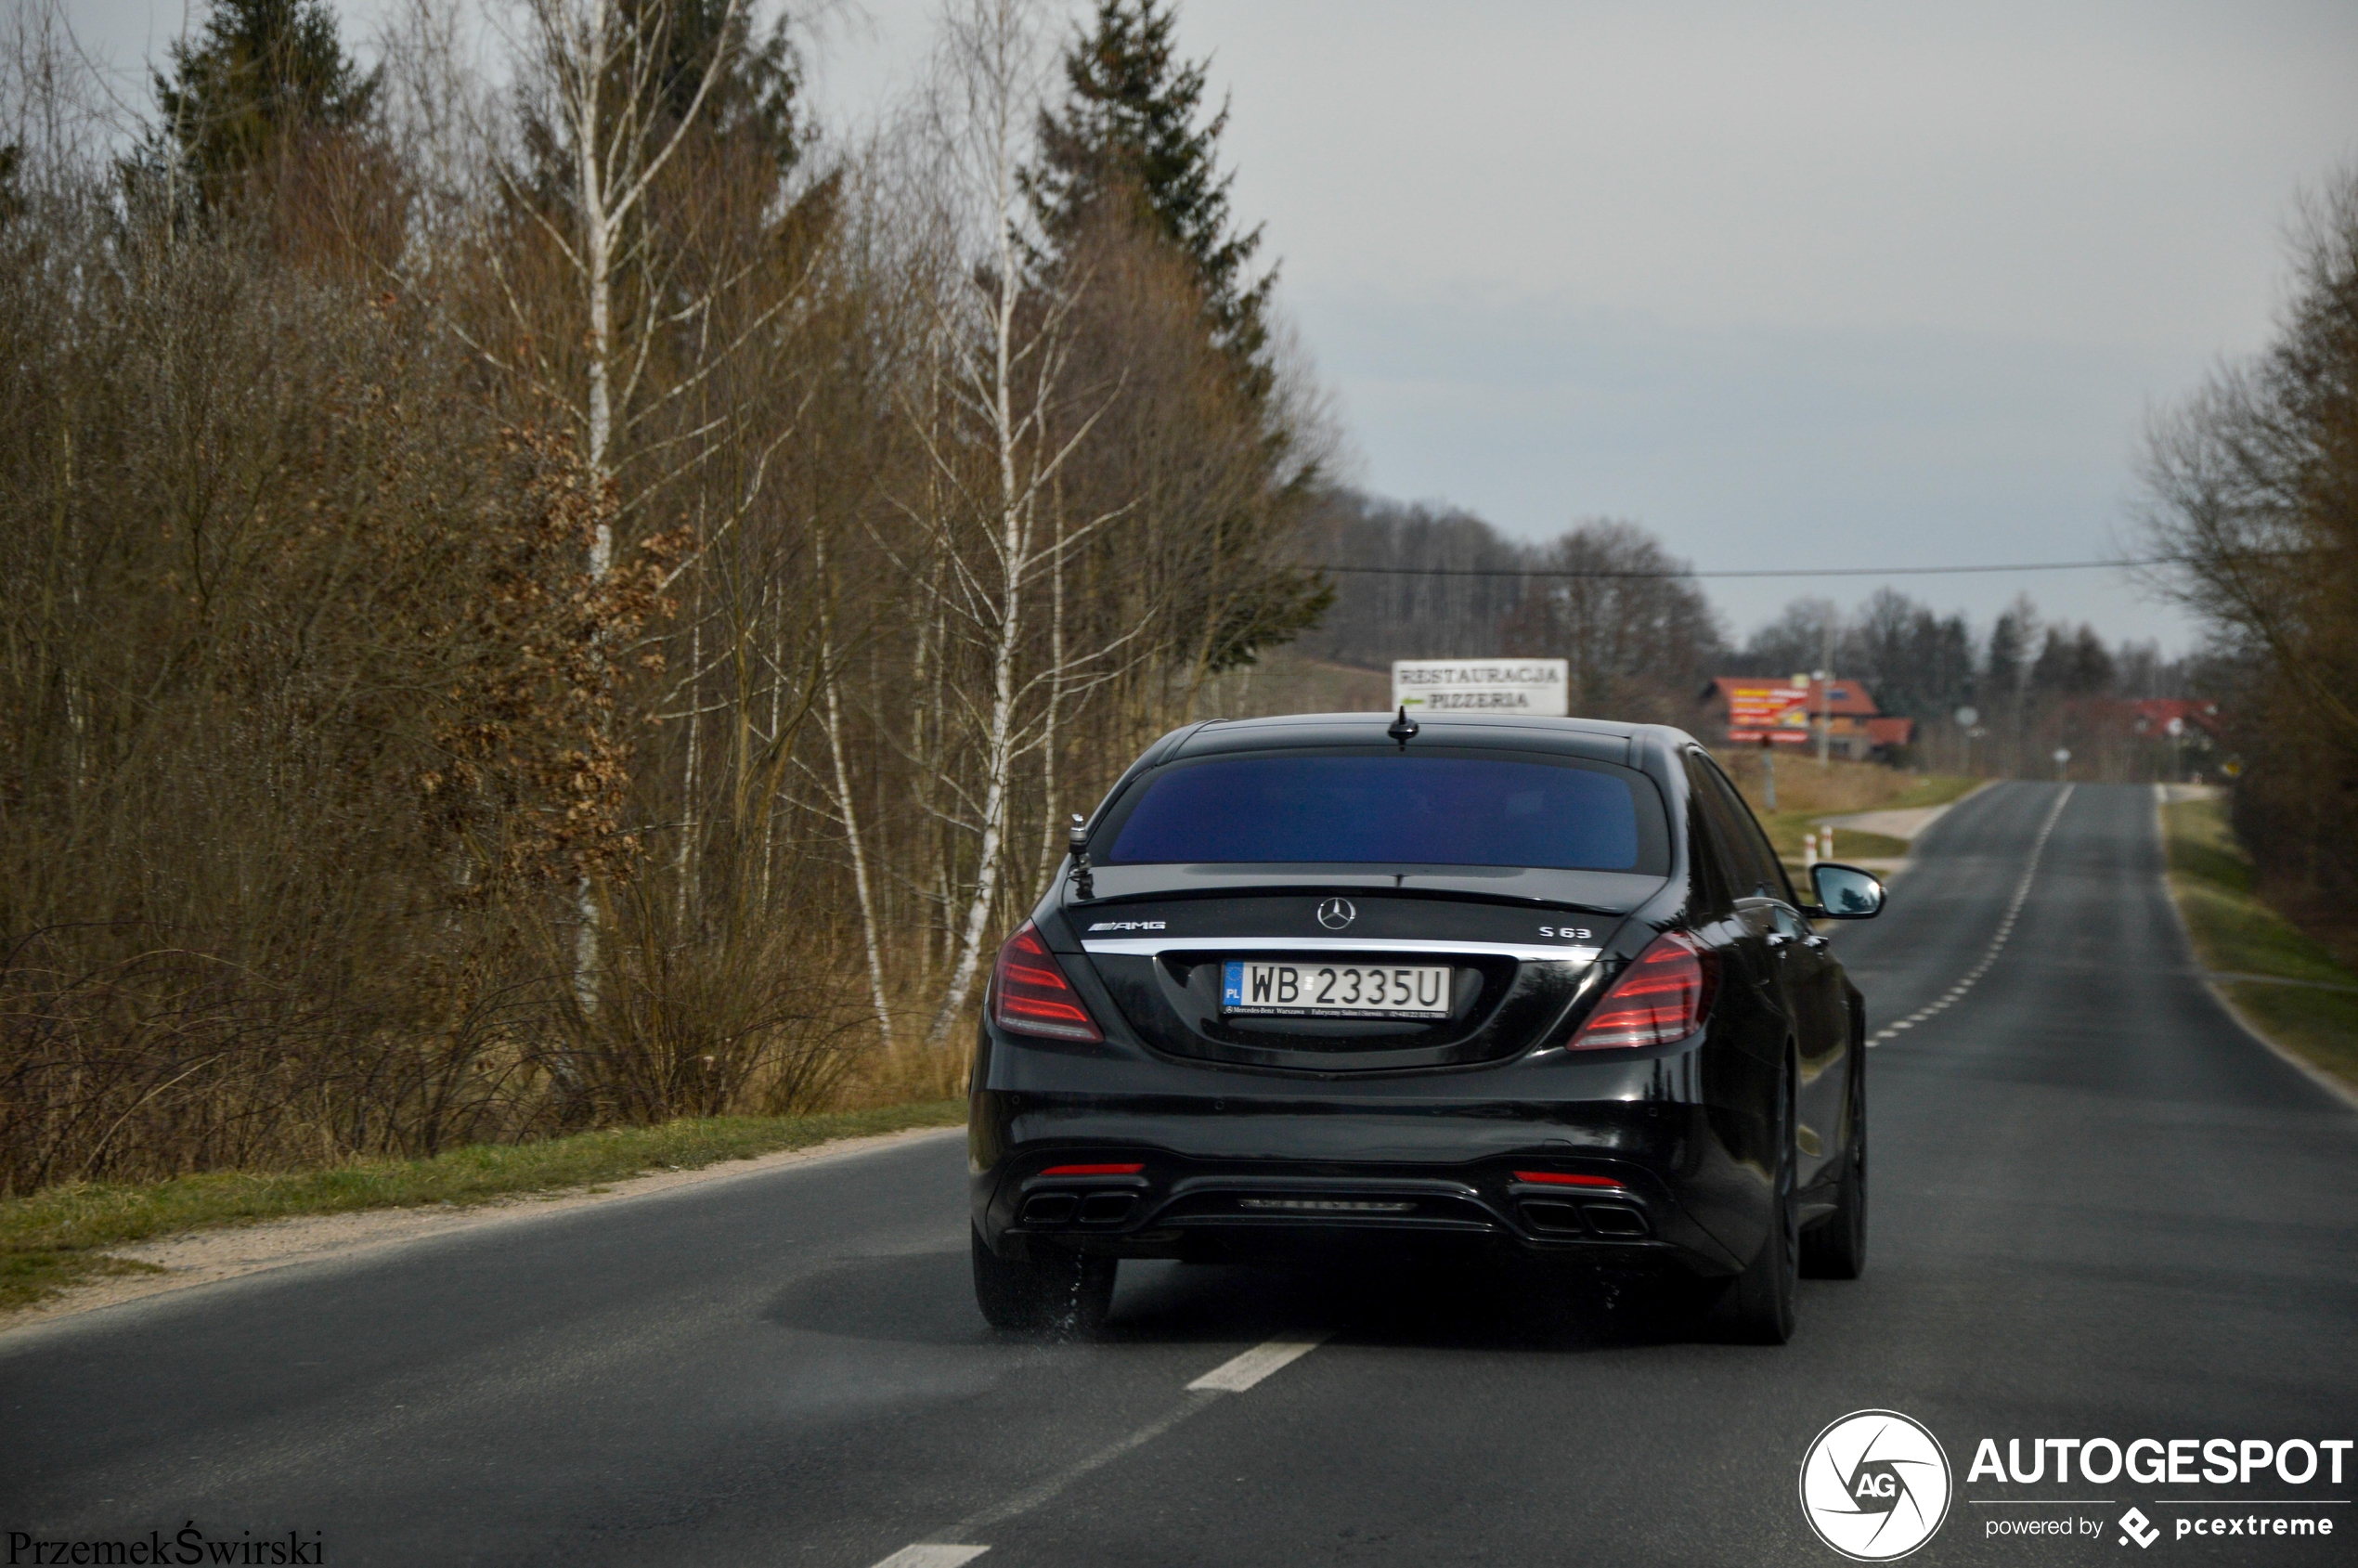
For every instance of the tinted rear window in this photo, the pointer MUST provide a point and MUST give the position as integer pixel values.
(1386, 807)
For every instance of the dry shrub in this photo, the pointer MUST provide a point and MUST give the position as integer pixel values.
(767, 1018)
(907, 1071)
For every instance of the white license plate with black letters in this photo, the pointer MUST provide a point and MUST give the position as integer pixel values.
(1337, 991)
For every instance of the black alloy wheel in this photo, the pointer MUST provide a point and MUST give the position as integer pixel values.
(1061, 1293)
(1757, 1308)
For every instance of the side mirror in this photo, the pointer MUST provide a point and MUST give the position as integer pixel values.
(1845, 892)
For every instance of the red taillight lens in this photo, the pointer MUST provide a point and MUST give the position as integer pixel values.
(1030, 995)
(1562, 1178)
(1662, 997)
(1094, 1169)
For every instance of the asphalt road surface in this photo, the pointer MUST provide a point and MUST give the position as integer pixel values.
(2099, 1209)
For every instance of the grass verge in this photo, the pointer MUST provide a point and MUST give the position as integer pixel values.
(1806, 792)
(58, 1237)
(2234, 932)
(1785, 830)
(1935, 789)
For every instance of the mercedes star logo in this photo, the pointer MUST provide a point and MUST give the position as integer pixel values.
(1335, 913)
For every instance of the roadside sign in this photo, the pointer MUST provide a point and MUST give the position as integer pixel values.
(1778, 715)
(1534, 688)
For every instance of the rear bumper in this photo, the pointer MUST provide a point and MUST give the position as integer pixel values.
(1236, 1164)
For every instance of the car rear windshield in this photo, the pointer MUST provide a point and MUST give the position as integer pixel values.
(1392, 809)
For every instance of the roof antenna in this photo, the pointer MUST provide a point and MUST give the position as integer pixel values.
(1402, 728)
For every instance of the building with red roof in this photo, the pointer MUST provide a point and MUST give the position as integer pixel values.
(1749, 710)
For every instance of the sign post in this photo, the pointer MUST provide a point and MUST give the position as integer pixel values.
(1527, 688)
(1770, 714)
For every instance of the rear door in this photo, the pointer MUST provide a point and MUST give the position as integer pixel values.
(1810, 981)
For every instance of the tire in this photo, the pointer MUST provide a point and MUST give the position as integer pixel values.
(1757, 1308)
(1836, 1248)
(1058, 1293)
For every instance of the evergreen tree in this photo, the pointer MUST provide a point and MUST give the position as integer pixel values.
(755, 96)
(1131, 150)
(1128, 131)
(754, 100)
(2076, 665)
(2010, 647)
(261, 70)
(11, 166)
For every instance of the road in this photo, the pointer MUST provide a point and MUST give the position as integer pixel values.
(2099, 1209)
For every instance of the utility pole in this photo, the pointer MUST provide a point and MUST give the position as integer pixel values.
(1825, 694)
(1826, 699)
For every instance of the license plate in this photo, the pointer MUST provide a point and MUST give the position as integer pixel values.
(1336, 991)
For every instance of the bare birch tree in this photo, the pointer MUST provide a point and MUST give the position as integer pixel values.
(1002, 336)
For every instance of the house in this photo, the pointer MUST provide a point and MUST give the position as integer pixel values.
(2175, 717)
(1746, 710)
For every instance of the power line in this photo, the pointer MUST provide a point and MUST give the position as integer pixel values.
(1760, 572)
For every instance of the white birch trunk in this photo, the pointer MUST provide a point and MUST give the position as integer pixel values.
(1013, 545)
(846, 802)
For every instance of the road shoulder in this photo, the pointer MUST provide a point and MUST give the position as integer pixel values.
(2284, 990)
(1906, 824)
(134, 1270)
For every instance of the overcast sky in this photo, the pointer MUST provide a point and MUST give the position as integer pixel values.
(1812, 285)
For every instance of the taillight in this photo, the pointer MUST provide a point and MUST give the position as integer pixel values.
(1030, 995)
(1562, 1178)
(1124, 1170)
(1661, 998)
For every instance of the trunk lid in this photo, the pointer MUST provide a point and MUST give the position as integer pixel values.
(1159, 940)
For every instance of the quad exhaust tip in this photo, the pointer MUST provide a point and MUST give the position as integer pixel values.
(1616, 1221)
(1091, 1209)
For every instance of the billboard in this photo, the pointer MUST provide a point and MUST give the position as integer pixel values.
(1774, 710)
(1532, 687)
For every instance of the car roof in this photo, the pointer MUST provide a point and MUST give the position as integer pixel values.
(1598, 739)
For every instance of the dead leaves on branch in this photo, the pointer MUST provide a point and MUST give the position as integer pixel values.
(537, 776)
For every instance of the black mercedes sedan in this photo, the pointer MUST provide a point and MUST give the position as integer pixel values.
(1538, 985)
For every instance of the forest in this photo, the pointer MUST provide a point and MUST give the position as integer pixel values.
(553, 591)
(557, 595)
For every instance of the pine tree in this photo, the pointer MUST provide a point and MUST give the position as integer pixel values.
(11, 167)
(2010, 647)
(755, 94)
(261, 71)
(1128, 131)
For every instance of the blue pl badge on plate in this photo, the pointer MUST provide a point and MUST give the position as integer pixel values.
(1232, 988)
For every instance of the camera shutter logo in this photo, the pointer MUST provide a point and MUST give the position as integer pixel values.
(1876, 1485)
(1335, 913)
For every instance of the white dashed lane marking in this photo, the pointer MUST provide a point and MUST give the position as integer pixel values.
(1232, 1376)
(1997, 939)
(1239, 1373)
(930, 1554)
